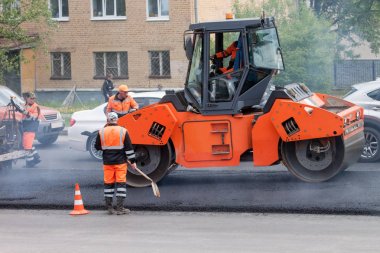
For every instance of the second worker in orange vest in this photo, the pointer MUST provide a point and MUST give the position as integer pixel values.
(30, 123)
(121, 103)
(117, 149)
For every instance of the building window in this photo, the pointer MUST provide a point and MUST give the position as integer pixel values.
(108, 9)
(8, 6)
(115, 63)
(59, 9)
(158, 9)
(60, 66)
(159, 64)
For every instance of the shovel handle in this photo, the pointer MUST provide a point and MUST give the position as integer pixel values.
(142, 173)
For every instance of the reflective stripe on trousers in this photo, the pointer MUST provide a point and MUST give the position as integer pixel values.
(121, 190)
(109, 190)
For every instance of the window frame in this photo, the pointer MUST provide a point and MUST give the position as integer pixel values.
(105, 65)
(108, 17)
(60, 18)
(159, 17)
(161, 62)
(62, 65)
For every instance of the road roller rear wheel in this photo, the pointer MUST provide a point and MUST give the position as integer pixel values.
(153, 161)
(314, 160)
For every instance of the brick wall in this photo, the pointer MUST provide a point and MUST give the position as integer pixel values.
(82, 36)
(211, 10)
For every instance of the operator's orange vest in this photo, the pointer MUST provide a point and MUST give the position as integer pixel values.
(121, 107)
(112, 137)
(231, 50)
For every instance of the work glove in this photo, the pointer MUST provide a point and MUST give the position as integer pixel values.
(133, 165)
(19, 108)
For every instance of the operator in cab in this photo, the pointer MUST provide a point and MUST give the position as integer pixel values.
(122, 103)
(231, 50)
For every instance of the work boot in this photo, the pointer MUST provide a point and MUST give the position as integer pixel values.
(36, 161)
(29, 160)
(120, 210)
(109, 206)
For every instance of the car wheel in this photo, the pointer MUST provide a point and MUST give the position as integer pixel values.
(47, 140)
(96, 154)
(371, 152)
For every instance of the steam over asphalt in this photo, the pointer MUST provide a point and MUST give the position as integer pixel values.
(267, 189)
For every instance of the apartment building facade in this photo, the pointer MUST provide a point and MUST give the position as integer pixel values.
(140, 42)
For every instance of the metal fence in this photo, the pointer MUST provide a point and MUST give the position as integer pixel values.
(349, 72)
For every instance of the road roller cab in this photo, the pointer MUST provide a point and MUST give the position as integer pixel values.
(223, 113)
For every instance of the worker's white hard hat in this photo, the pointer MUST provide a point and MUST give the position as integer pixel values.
(112, 117)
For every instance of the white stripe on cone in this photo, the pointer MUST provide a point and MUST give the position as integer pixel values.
(78, 202)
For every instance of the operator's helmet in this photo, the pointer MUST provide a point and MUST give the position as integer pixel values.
(123, 88)
(112, 117)
(29, 94)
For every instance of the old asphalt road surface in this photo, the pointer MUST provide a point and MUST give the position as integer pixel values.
(242, 189)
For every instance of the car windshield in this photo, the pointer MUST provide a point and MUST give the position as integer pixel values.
(6, 94)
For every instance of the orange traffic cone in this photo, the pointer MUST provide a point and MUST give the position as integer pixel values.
(78, 203)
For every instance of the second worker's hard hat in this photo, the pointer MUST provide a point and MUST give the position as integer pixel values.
(112, 117)
(123, 88)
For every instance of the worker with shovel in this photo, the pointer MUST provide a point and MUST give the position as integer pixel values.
(117, 149)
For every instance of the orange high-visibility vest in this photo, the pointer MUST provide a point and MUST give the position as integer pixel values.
(33, 110)
(112, 137)
(121, 107)
(231, 50)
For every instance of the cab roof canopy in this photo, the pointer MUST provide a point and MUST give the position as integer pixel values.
(232, 24)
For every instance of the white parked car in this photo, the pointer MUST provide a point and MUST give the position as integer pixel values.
(84, 125)
(367, 95)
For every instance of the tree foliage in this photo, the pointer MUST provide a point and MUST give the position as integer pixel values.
(306, 41)
(23, 23)
(352, 19)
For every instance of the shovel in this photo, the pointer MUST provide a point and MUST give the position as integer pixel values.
(155, 189)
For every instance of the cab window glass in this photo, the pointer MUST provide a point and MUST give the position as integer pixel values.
(195, 78)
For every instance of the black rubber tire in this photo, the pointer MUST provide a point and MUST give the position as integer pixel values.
(47, 140)
(371, 149)
(97, 155)
(163, 157)
(315, 175)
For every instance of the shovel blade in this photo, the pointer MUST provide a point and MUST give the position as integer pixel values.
(155, 189)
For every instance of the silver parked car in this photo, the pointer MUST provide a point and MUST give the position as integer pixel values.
(367, 95)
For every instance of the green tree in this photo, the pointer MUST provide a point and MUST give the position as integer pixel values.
(22, 23)
(352, 19)
(308, 46)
